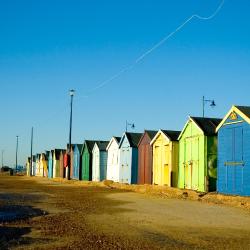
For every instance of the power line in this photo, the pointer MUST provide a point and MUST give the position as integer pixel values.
(152, 49)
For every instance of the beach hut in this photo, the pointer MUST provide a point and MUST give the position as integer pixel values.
(128, 167)
(39, 170)
(113, 159)
(198, 154)
(66, 163)
(87, 160)
(33, 165)
(50, 164)
(145, 158)
(77, 167)
(28, 167)
(165, 158)
(61, 159)
(44, 164)
(234, 152)
(71, 161)
(99, 161)
(56, 162)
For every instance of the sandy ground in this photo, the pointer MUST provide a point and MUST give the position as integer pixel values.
(36, 213)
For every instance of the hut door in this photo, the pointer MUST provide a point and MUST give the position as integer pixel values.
(234, 160)
(157, 164)
(166, 172)
(188, 164)
(96, 168)
(238, 155)
(125, 171)
(195, 163)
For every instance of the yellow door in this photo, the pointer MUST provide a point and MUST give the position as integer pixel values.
(157, 163)
(166, 167)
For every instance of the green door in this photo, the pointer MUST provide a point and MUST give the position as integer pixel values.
(195, 163)
(187, 164)
(191, 164)
(85, 167)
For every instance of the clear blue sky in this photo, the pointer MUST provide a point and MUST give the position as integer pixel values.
(48, 47)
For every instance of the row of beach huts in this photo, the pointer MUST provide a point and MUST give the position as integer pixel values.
(209, 154)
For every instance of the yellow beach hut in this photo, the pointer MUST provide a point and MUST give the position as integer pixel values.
(165, 158)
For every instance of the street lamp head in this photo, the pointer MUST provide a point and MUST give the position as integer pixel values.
(212, 104)
(72, 92)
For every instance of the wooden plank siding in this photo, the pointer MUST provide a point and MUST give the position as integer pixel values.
(197, 154)
(128, 167)
(234, 152)
(113, 160)
(145, 158)
(165, 158)
(99, 161)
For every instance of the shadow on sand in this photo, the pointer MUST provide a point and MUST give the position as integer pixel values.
(12, 234)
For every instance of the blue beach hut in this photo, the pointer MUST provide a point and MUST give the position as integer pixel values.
(50, 165)
(233, 176)
(128, 166)
(77, 162)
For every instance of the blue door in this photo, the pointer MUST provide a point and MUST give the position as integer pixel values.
(50, 172)
(234, 160)
(76, 167)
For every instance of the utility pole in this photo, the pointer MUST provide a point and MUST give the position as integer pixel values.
(71, 93)
(2, 157)
(31, 151)
(16, 150)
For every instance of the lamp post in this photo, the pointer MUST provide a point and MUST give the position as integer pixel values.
(31, 152)
(132, 125)
(71, 93)
(204, 101)
(16, 150)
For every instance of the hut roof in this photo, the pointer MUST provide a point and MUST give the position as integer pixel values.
(207, 125)
(79, 146)
(133, 138)
(245, 110)
(172, 134)
(102, 145)
(89, 144)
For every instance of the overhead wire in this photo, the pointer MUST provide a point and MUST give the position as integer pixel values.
(152, 49)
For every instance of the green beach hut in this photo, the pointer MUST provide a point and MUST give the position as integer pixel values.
(198, 154)
(86, 155)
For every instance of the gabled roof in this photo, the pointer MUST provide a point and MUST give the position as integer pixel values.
(172, 135)
(57, 152)
(79, 146)
(102, 145)
(63, 151)
(206, 124)
(243, 111)
(89, 144)
(133, 139)
(114, 138)
(151, 134)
